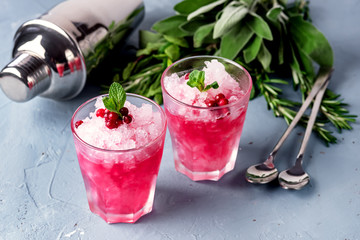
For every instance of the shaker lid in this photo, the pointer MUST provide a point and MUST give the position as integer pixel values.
(25, 77)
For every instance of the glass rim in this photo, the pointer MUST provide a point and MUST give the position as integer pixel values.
(119, 150)
(201, 107)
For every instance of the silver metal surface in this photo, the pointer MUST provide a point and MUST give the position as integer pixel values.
(295, 177)
(53, 54)
(266, 172)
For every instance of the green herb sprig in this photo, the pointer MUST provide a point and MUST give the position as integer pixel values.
(275, 41)
(197, 79)
(116, 99)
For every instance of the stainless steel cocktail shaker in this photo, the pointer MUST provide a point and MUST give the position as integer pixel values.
(53, 53)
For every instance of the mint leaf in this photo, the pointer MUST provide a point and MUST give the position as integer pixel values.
(197, 79)
(109, 104)
(213, 85)
(116, 99)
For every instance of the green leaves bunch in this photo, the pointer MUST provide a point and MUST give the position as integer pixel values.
(272, 39)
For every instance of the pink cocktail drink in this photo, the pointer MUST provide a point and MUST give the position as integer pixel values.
(205, 137)
(120, 166)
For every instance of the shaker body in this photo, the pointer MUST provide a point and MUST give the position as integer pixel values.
(54, 53)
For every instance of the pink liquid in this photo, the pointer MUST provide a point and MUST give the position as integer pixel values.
(205, 150)
(122, 191)
(120, 181)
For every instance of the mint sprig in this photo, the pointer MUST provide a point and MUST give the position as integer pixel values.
(197, 79)
(116, 99)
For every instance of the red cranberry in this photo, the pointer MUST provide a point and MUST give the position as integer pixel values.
(100, 112)
(111, 124)
(187, 76)
(119, 122)
(78, 123)
(219, 96)
(210, 103)
(124, 111)
(128, 119)
(223, 101)
(112, 116)
(106, 113)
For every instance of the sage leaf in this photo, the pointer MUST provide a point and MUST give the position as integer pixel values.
(202, 33)
(150, 47)
(274, 12)
(264, 57)
(146, 37)
(194, 24)
(170, 26)
(173, 52)
(205, 9)
(311, 41)
(230, 16)
(188, 6)
(246, 2)
(178, 41)
(163, 47)
(253, 49)
(306, 63)
(234, 40)
(259, 26)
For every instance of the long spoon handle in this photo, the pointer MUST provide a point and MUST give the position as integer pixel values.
(322, 79)
(311, 123)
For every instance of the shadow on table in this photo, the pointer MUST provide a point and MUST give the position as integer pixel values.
(183, 197)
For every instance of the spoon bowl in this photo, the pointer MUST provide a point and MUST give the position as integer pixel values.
(262, 173)
(293, 179)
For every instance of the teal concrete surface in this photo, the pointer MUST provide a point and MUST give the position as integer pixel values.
(42, 195)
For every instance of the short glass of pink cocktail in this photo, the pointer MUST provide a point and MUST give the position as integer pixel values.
(120, 166)
(205, 138)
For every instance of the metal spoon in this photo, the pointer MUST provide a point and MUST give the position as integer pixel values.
(296, 177)
(266, 172)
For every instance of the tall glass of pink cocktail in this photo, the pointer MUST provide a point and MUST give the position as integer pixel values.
(120, 166)
(205, 127)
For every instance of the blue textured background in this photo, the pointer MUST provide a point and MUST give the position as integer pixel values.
(42, 194)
